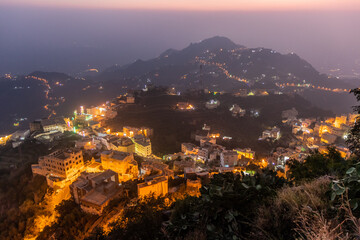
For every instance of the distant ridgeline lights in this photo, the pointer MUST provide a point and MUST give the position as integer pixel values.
(308, 85)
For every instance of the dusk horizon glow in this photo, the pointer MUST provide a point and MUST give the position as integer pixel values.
(201, 5)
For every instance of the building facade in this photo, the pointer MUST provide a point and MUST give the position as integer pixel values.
(157, 186)
(64, 164)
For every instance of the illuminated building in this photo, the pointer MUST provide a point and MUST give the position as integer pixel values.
(88, 143)
(96, 111)
(274, 133)
(157, 186)
(182, 164)
(228, 158)
(94, 124)
(123, 145)
(54, 124)
(352, 118)
(94, 167)
(328, 138)
(212, 104)
(203, 153)
(143, 147)
(330, 120)
(203, 141)
(20, 135)
(193, 187)
(200, 134)
(130, 99)
(237, 111)
(245, 152)
(133, 131)
(188, 148)
(206, 127)
(63, 164)
(94, 191)
(339, 121)
(344, 152)
(153, 165)
(214, 135)
(121, 162)
(324, 129)
(4, 139)
(184, 106)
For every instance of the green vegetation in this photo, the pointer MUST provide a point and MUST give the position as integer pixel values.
(225, 208)
(20, 193)
(141, 221)
(70, 223)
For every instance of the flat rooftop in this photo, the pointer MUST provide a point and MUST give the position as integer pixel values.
(98, 196)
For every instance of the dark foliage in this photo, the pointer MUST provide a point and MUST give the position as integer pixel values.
(317, 165)
(226, 206)
(353, 140)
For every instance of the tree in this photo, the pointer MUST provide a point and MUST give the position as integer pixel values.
(353, 139)
(226, 206)
(317, 165)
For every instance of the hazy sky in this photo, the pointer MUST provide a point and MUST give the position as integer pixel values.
(73, 35)
(203, 5)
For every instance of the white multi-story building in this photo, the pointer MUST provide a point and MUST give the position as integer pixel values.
(63, 164)
(228, 158)
(143, 147)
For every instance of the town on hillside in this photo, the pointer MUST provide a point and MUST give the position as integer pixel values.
(104, 164)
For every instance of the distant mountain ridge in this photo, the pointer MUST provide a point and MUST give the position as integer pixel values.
(174, 57)
(220, 63)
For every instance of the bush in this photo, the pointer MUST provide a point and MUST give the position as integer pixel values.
(278, 218)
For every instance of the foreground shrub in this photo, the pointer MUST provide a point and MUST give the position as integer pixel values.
(279, 218)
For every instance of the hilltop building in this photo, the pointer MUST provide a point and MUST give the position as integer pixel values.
(54, 124)
(153, 165)
(60, 165)
(121, 162)
(96, 111)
